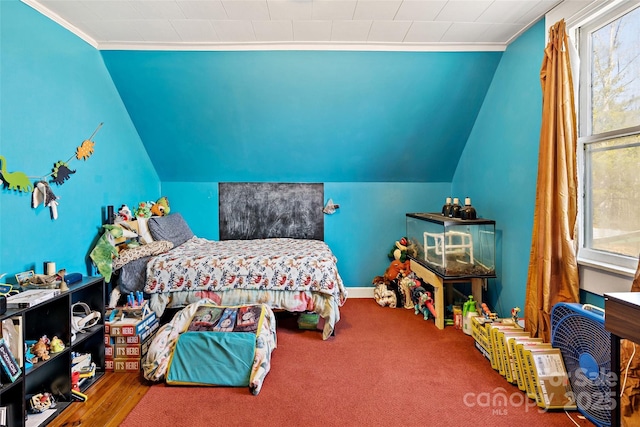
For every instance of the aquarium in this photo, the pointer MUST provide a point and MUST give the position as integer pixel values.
(452, 247)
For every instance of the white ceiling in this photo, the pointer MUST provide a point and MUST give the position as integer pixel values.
(321, 24)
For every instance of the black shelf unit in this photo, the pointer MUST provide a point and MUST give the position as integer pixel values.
(53, 318)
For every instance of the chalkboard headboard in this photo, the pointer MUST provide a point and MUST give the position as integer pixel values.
(250, 210)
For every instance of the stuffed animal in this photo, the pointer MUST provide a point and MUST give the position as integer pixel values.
(161, 207)
(402, 249)
(124, 214)
(105, 249)
(423, 302)
(385, 296)
(56, 345)
(143, 210)
(40, 350)
(397, 269)
(406, 285)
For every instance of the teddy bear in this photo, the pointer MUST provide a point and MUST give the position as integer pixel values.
(40, 350)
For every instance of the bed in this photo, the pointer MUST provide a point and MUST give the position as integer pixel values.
(291, 274)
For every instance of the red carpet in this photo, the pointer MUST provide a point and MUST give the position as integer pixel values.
(384, 367)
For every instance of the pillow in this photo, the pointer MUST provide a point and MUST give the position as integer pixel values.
(171, 227)
(132, 254)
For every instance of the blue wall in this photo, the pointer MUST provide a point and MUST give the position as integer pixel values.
(295, 116)
(55, 91)
(499, 165)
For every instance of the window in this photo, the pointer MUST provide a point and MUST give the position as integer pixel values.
(609, 135)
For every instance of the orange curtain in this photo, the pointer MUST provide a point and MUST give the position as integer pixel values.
(553, 269)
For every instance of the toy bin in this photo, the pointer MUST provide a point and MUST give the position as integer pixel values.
(452, 247)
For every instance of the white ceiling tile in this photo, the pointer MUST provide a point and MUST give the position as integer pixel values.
(462, 10)
(234, 31)
(502, 12)
(249, 10)
(273, 31)
(158, 30)
(465, 32)
(203, 9)
(413, 10)
(500, 33)
(115, 31)
(350, 31)
(71, 10)
(290, 10)
(382, 10)
(539, 9)
(158, 9)
(333, 10)
(195, 30)
(310, 31)
(426, 32)
(112, 10)
(388, 31)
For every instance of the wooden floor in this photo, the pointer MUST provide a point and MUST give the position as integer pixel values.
(109, 401)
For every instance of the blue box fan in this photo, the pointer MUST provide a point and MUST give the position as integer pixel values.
(578, 331)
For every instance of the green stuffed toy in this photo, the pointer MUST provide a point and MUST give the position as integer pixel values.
(105, 249)
(143, 210)
(399, 250)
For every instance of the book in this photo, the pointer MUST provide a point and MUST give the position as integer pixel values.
(8, 362)
(130, 326)
(12, 334)
(31, 297)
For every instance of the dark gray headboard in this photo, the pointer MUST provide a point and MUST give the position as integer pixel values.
(256, 210)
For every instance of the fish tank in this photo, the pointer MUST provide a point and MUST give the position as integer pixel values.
(452, 247)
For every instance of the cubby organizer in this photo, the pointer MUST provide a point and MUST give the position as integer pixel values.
(53, 318)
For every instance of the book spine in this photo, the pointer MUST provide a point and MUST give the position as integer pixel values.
(8, 362)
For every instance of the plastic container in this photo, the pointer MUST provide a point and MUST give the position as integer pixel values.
(469, 311)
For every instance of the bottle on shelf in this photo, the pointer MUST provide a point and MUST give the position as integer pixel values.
(455, 208)
(468, 211)
(446, 209)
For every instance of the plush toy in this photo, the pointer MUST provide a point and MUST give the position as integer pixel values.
(105, 249)
(423, 302)
(402, 249)
(56, 345)
(144, 210)
(397, 269)
(406, 285)
(161, 207)
(40, 350)
(124, 214)
(384, 296)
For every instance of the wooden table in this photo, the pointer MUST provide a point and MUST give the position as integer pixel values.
(438, 283)
(622, 319)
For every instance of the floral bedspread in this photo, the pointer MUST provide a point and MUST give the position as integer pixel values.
(278, 264)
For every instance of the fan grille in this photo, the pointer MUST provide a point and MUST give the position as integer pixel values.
(586, 349)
